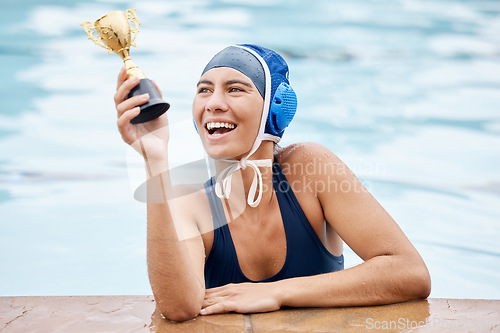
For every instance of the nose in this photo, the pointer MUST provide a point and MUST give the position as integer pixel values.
(216, 102)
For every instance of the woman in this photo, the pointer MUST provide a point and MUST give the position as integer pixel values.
(289, 208)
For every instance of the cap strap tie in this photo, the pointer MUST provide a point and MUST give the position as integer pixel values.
(223, 183)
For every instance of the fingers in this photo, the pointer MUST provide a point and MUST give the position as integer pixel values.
(213, 296)
(208, 301)
(222, 291)
(131, 103)
(214, 293)
(221, 288)
(122, 76)
(125, 128)
(124, 89)
(216, 301)
(127, 116)
(216, 308)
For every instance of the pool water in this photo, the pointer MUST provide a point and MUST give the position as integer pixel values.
(407, 93)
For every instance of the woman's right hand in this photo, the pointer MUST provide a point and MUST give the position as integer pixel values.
(149, 139)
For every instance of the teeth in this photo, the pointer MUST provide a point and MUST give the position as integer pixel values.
(211, 126)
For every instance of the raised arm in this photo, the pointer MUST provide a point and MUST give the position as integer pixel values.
(175, 265)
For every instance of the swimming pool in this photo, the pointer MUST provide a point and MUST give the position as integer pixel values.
(407, 93)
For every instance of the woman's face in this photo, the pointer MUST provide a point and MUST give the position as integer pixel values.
(227, 110)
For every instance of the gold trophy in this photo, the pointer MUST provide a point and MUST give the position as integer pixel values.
(115, 32)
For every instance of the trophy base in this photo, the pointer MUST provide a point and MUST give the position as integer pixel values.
(153, 108)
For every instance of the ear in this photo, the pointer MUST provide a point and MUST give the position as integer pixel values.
(282, 109)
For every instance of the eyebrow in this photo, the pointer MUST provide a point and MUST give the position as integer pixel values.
(204, 82)
(238, 81)
(227, 83)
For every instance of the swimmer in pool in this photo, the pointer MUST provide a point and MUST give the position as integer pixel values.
(297, 204)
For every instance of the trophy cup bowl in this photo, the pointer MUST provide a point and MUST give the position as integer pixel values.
(114, 33)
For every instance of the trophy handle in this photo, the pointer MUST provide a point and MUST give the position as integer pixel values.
(89, 29)
(132, 17)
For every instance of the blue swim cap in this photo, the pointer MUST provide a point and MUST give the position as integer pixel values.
(269, 72)
(243, 61)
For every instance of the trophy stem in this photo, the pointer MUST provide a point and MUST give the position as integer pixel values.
(133, 70)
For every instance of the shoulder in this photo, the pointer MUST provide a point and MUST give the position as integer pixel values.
(300, 151)
(309, 158)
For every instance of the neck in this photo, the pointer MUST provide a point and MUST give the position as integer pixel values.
(243, 178)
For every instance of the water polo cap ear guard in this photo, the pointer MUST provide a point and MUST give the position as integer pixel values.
(282, 109)
(281, 96)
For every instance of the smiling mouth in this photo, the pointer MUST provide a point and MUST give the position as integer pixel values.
(218, 128)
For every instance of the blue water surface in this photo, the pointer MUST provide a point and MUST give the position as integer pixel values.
(407, 93)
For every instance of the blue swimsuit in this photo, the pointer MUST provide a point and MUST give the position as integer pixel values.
(305, 254)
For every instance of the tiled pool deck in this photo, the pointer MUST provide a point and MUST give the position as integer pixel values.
(137, 314)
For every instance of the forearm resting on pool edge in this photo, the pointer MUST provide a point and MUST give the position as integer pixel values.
(384, 279)
(175, 275)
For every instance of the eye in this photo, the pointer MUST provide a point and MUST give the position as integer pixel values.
(235, 89)
(203, 90)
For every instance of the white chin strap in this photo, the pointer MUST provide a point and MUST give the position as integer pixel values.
(223, 183)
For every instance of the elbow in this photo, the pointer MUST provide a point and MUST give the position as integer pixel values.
(179, 306)
(179, 309)
(424, 285)
(180, 313)
(420, 281)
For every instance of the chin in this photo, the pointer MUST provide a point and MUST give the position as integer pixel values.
(221, 153)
